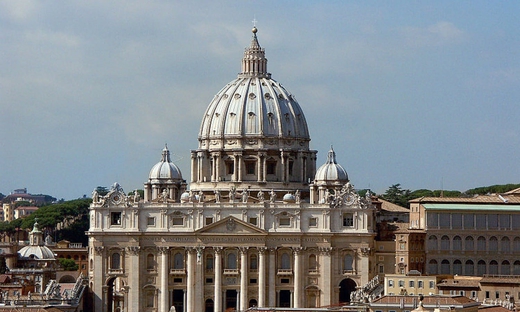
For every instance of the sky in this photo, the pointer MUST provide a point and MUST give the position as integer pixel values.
(421, 93)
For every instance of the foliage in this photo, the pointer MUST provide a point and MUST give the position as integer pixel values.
(68, 264)
(49, 216)
(493, 189)
(395, 194)
(23, 203)
(435, 193)
(102, 190)
(141, 193)
(47, 198)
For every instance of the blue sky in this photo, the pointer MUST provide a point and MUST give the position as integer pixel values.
(421, 93)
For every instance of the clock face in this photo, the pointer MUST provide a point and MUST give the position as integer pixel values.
(349, 199)
(116, 198)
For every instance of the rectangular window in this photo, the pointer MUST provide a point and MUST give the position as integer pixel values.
(177, 280)
(456, 221)
(381, 268)
(444, 220)
(487, 294)
(516, 221)
(348, 219)
(504, 222)
(250, 167)
(497, 295)
(209, 280)
(401, 283)
(291, 166)
(253, 220)
(313, 222)
(469, 221)
(433, 221)
(178, 221)
(284, 281)
(390, 283)
(271, 167)
(115, 218)
(252, 281)
(473, 294)
(420, 284)
(492, 221)
(285, 221)
(209, 220)
(411, 283)
(481, 221)
(230, 167)
(432, 284)
(151, 221)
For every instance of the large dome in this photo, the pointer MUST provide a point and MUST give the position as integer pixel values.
(165, 169)
(253, 106)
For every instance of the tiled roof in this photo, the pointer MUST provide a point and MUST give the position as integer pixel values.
(486, 308)
(388, 206)
(427, 301)
(480, 199)
(502, 279)
(462, 283)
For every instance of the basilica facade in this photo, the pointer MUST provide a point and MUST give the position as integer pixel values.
(259, 224)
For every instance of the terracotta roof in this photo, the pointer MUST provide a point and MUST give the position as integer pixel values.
(480, 199)
(427, 301)
(388, 206)
(501, 279)
(513, 192)
(456, 283)
(486, 308)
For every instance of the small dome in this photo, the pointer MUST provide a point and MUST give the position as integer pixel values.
(289, 198)
(36, 252)
(331, 171)
(165, 169)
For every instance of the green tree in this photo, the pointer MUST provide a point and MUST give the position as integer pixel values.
(397, 195)
(68, 264)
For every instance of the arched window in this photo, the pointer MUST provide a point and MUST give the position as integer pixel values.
(150, 261)
(505, 244)
(457, 267)
(445, 267)
(432, 267)
(516, 244)
(505, 268)
(232, 261)
(481, 267)
(432, 242)
(516, 267)
(457, 243)
(312, 262)
(286, 261)
(116, 261)
(481, 243)
(178, 261)
(445, 243)
(493, 243)
(347, 263)
(253, 262)
(469, 268)
(493, 267)
(469, 244)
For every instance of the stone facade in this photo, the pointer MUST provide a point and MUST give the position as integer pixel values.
(256, 227)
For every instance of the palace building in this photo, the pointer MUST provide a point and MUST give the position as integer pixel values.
(258, 224)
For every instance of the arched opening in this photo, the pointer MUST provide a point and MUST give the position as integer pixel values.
(312, 296)
(469, 243)
(346, 287)
(505, 268)
(516, 267)
(445, 243)
(432, 266)
(150, 262)
(253, 263)
(348, 263)
(445, 267)
(67, 279)
(469, 268)
(493, 267)
(505, 244)
(115, 264)
(457, 243)
(253, 303)
(312, 262)
(209, 305)
(481, 267)
(178, 261)
(493, 243)
(432, 242)
(114, 296)
(457, 267)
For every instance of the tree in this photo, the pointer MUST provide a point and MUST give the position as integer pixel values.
(395, 194)
(102, 190)
(68, 264)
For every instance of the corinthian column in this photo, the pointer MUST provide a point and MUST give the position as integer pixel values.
(163, 278)
(190, 282)
(325, 275)
(218, 279)
(261, 277)
(243, 278)
(272, 277)
(298, 289)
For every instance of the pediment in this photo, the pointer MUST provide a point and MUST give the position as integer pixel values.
(231, 225)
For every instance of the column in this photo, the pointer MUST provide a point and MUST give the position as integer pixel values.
(193, 167)
(240, 168)
(199, 279)
(325, 275)
(163, 279)
(272, 277)
(298, 289)
(133, 278)
(264, 168)
(243, 278)
(218, 279)
(99, 278)
(261, 276)
(190, 281)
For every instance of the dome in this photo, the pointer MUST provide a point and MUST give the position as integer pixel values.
(331, 171)
(36, 252)
(253, 106)
(165, 169)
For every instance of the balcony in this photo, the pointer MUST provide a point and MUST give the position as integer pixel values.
(349, 272)
(284, 272)
(230, 271)
(177, 272)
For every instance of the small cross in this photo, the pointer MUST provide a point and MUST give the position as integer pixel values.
(254, 21)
